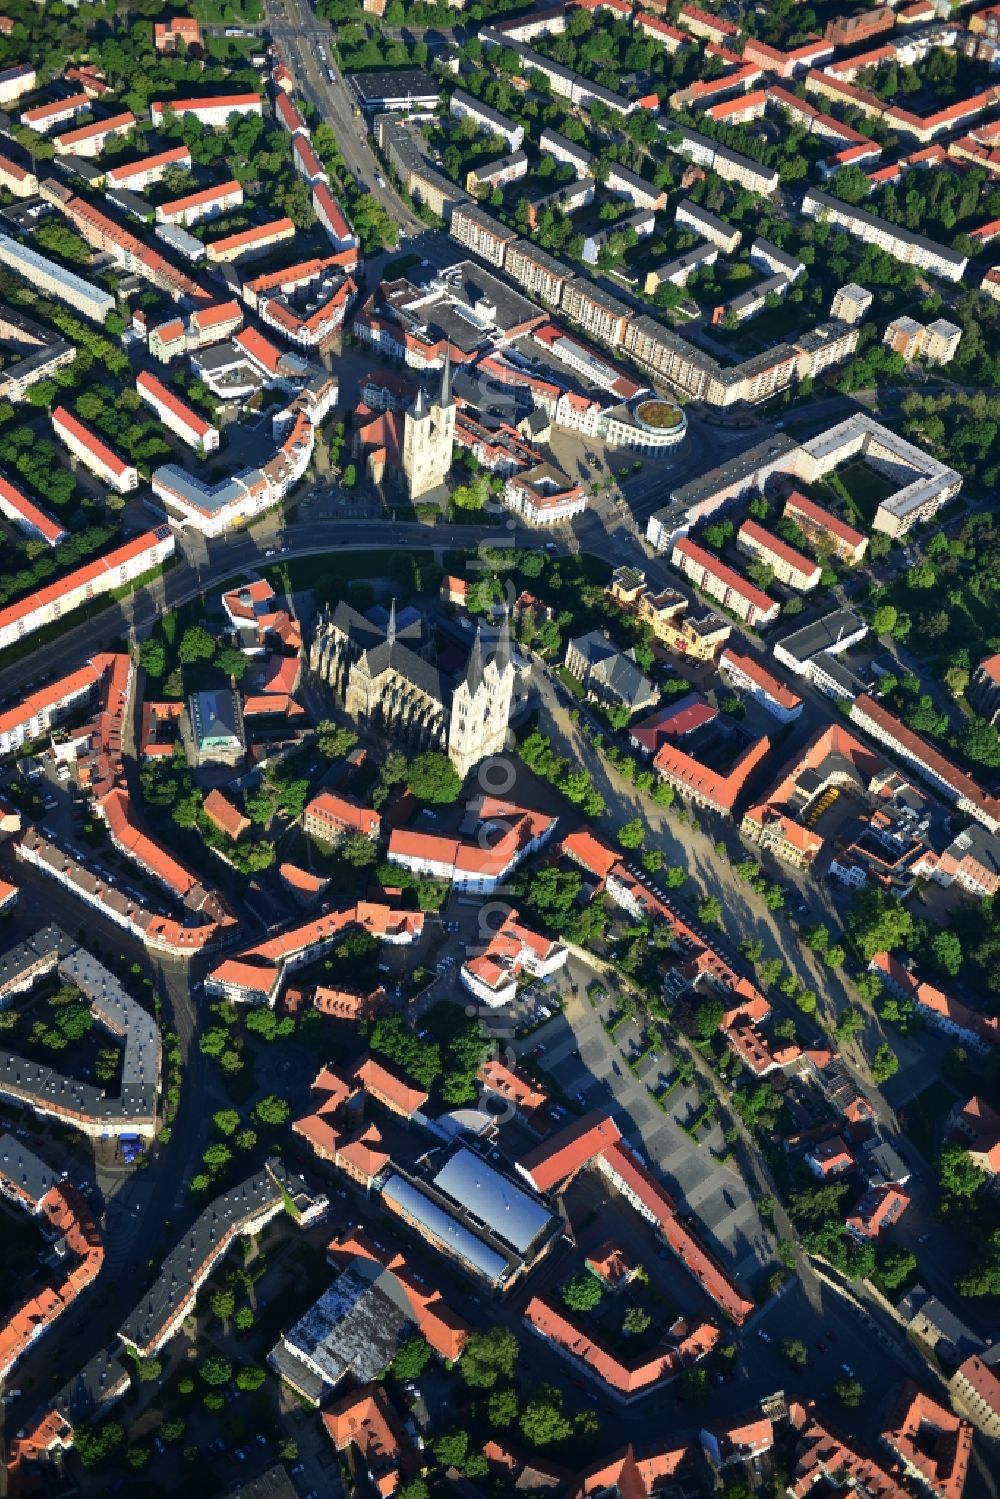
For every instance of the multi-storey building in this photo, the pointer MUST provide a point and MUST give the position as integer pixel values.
(789, 566)
(913, 249)
(93, 452)
(90, 140)
(247, 243)
(176, 414)
(137, 176)
(54, 281)
(720, 582)
(490, 121)
(213, 113)
(825, 529)
(481, 234)
(207, 203)
(933, 766)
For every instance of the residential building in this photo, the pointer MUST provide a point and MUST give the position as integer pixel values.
(908, 746)
(48, 277)
(207, 203)
(789, 566)
(983, 692)
(367, 1421)
(876, 1212)
(975, 1393)
(90, 140)
(746, 674)
(933, 1445)
(176, 414)
(114, 569)
(514, 951)
(940, 1010)
(720, 582)
(331, 818)
(30, 519)
(707, 226)
(93, 452)
(506, 835)
(912, 249)
(212, 112)
(139, 175)
(823, 1460)
(544, 496)
(689, 767)
(851, 303)
(490, 121)
(824, 529)
(936, 343)
(730, 1442)
(177, 35)
(250, 242)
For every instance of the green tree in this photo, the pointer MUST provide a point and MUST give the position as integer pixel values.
(884, 1063)
(153, 656)
(849, 1391)
(958, 1173)
(582, 1292)
(432, 778)
(794, 1352)
(244, 1319)
(947, 950)
(636, 1320)
(271, 1110)
(412, 1358)
(216, 1370)
(542, 1420)
(503, 1406)
(250, 1377)
(196, 645)
(489, 1356)
(631, 834)
(223, 1305)
(710, 910)
(226, 1121)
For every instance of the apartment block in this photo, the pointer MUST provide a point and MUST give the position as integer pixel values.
(208, 203)
(250, 242)
(481, 234)
(213, 112)
(137, 176)
(746, 674)
(708, 225)
(93, 452)
(176, 414)
(789, 566)
(90, 140)
(912, 249)
(851, 303)
(825, 529)
(30, 519)
(119, 566)
(497, 173)
(546, 278)
(490, 121)
(729, 588)
(936, 343)
(54, 281)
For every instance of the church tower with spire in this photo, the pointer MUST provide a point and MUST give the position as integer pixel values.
(480, 706)
(428, 437)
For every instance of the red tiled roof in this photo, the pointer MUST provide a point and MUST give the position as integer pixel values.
(774, 545)
(562, 1156)
(88, 439)
(930, 1439)
(762, 678)
(924, 754)
(825, 520)
(733, 580)
(203, 196)
(161, 395)
(587, 849)
(220, 810)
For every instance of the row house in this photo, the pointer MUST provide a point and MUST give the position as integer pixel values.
(90, 140)
(208, 203)
(825, 529)
(139, 175)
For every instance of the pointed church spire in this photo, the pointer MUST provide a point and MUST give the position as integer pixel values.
(502, 656)
(418, 405)
(474, 670)
(390, 634)
(445, 398)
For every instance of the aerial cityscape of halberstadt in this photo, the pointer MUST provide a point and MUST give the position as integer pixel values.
(500, 749)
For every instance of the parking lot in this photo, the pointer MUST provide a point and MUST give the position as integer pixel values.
(592, 1071)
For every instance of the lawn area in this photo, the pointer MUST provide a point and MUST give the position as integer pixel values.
(924, 1113)
(861, 490)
